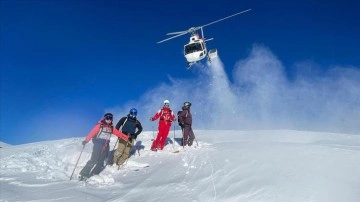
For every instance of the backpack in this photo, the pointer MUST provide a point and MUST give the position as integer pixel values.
(178, 116)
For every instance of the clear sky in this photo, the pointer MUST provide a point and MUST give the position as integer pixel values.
(65, 63)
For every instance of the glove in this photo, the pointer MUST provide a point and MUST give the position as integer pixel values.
(133, 136)
(84, 143)
(175, 119)
(151, 119)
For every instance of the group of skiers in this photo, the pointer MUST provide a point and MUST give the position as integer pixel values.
(127, 129)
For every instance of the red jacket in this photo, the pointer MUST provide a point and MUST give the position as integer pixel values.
(104, 131)
(165, 114)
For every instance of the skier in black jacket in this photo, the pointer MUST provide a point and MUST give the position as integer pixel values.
(129, 125)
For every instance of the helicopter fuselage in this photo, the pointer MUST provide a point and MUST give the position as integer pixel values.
(195, 50)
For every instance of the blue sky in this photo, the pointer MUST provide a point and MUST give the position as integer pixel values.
(65, 63)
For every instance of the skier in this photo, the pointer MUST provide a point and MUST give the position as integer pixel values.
(100, 136)
(185, 121)
(166, 116)
(132, 127)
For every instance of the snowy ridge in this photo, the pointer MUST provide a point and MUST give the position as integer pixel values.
(278, 165)
(3, 144)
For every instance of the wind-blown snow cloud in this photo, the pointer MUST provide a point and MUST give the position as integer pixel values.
(262, 96)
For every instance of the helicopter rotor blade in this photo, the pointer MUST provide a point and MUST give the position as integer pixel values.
(181, 32)
(193, 29)
(173, 37)
(226, 17)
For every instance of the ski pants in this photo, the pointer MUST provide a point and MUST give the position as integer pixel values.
(159, 142)
(96, 163)
(122, 153)
(188, 135)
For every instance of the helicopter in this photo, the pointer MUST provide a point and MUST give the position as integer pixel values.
(195, 50)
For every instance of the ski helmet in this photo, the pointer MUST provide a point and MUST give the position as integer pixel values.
(133, 112)
(166, 102)
(187, 104)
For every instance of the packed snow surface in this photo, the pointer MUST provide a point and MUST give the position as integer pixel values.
(277, 165)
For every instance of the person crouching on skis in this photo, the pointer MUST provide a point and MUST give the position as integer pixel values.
(130, 126)
(166, 116)
(100, 136)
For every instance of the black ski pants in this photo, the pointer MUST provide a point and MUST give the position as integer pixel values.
(96, 163)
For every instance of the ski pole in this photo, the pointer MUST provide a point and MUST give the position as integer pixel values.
(116, 143)
(197, 144)
(152, 127)
(112, 156)
(122, 165)
(183, 138)
(174, 139)
(177, 150)
(77, 162)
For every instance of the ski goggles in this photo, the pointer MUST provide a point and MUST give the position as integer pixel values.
(109, 118)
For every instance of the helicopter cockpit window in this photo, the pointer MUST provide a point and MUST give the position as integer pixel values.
(194, 47)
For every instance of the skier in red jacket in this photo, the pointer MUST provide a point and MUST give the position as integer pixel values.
(166, 116)
(100, 136)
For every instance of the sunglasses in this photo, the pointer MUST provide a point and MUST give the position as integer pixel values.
(109, 118)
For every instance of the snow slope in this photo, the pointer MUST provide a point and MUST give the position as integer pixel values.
(3, 144)
(278, 165)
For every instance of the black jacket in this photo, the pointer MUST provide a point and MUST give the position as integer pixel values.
(128, 126)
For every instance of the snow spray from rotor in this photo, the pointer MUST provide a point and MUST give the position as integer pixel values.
(261, 96)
